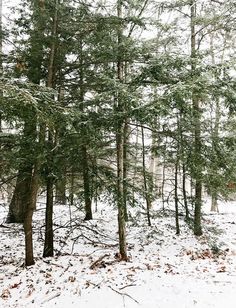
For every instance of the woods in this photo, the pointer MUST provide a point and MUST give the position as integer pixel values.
(131, 101)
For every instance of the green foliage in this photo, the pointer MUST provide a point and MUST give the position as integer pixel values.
(157, 90)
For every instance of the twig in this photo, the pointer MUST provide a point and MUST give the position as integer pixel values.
(129, 285)
(50, 298)
(3, 226)
(124, 294)
(65, 270)
(96, 285)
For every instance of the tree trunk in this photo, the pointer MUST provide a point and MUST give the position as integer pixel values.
(60, 196)
(48, 242)
(215, 130)
(135, 167)
(84, 151)
(120, 145)
(176, 192)
(182, 154)
(125, 171)
(214, 201)
(71, 193)
(146, 192)
(86, 182)
(187, 217)
(163, 181)
(197, 130)
(30, 201)
(152, 167)
(17, 205)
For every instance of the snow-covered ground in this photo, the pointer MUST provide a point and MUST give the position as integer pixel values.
(165, 270)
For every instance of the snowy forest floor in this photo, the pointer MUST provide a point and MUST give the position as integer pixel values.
(165, 270)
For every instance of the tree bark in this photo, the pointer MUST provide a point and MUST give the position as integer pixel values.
(120, 145)
(125, 167)
(86, 182)
(84, 150)
(17, 207)
(135, 166)
(182, 154)
(163, 180)
(30, 202)
(146, 192)
(48, 242)
(153, 166)
(60, 196)
(176, 191)
(197, 130)
(187, 217)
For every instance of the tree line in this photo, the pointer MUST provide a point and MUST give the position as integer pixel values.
(82, 82)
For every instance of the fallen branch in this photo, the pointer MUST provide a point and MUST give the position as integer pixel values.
(52, 263)
(98, 261)
(99, 243)
(124, 294)
(3, 226)
(49, 298)
(129, 285)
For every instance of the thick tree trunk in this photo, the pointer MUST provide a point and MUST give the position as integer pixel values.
(17, 205)
(28, 195)
(30, 201)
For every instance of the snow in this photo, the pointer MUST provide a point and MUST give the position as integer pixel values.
(165, 270)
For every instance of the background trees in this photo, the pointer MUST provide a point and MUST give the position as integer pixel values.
(96, 82)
